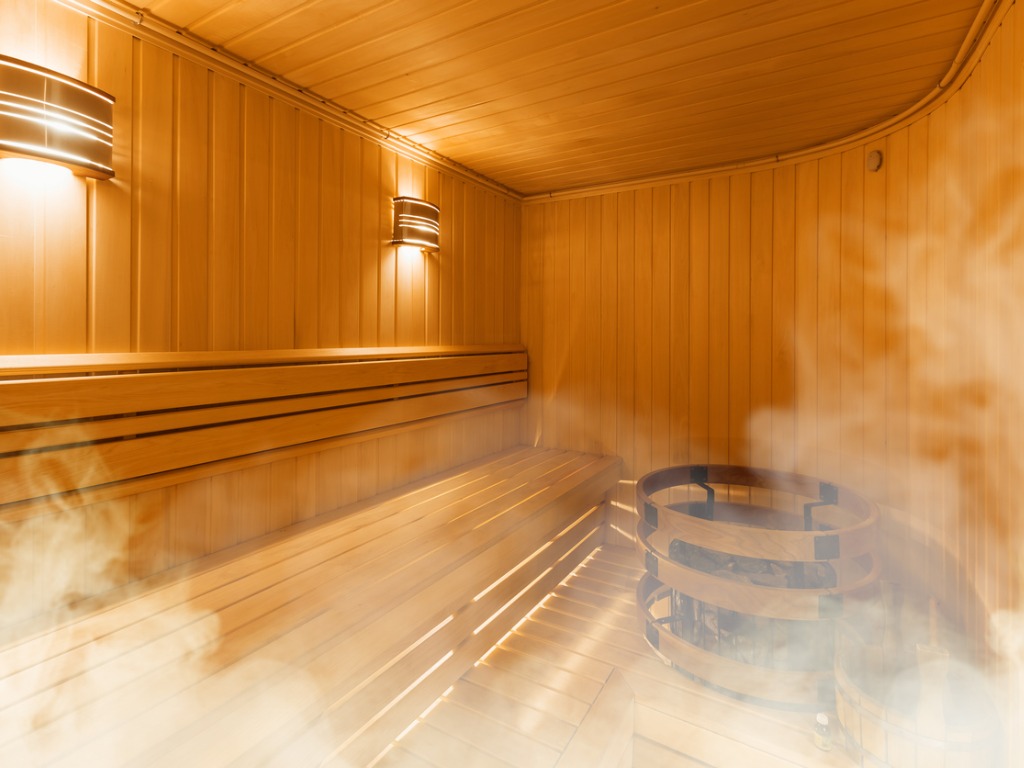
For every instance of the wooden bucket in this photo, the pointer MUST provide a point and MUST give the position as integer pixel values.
(747, 571)
(904, 707)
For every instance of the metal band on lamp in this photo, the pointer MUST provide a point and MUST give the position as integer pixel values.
(45, 115)
(417, 223)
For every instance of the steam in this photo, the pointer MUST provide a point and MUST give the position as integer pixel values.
(952, 332)
(84, 685)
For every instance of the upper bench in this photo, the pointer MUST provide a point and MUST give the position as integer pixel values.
(69, 422)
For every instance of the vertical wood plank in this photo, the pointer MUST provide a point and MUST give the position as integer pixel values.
(407, 260)
(608, 319)
(328, 475)
(154, 86)
(898, 324)
(370, 244)
(62, 315)
(225, 500)
(661, 321)
(916, 353)
(625, 339)
(575, 301)
(110, 246)
(351, 213)
(783, 368)
(878, 313)
(718, 320)
(284, 215)
(189, 525)
(761, 427)
(644, 424)
(679, 335)
(252, 515)
(191, 213)
(350, 472)
(415, 309)
(285, 494)
(700, 320)
(256, 156)
(329, 273)
(488, 292)
(108, 527)
(19, 217)
(557, 325)
(305, 487)
(307, 256)
(829, 326)
(387, 306)
(432, 272)
(592, 370)
(148, 534)
(369, 464)
(739, 318)
(458, 258)
(225, 217)
(533, 287)
(805, 317)
(446, 261)
(851, 257)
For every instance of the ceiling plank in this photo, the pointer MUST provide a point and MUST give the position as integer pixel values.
(537, 94)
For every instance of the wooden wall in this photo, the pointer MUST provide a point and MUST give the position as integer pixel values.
(859, 326)
(238, 219)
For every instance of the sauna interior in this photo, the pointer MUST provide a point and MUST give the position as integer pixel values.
(716, 282)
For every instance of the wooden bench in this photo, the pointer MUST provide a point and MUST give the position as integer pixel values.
(313, 645)
(155, 459)
(69, 422)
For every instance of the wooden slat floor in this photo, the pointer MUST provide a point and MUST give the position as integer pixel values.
(523, 702)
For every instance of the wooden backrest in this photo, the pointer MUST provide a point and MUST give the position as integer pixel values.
(75, 421)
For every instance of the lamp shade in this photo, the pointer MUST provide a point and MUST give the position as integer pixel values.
(45, 115)
(417, 223)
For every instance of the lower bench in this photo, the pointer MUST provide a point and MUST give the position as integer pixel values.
(315, 645)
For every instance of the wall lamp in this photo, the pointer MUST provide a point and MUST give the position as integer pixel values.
(417, 223)
(45, 115)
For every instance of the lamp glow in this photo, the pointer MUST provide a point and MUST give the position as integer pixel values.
(45, 115)
(417, 223)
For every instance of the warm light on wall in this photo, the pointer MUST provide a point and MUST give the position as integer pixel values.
(48, 116)
(417, 223)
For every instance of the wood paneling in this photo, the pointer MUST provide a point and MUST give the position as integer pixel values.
(235, 221)
(855, 325)
(546, 95)
(240, 218)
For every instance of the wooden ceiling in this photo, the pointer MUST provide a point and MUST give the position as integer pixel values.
(547, 95)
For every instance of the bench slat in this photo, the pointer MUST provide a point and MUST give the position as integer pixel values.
(361, 538)
(38, 401)
(96, 464)
(452, 538)
(64, 433)
(129, 425)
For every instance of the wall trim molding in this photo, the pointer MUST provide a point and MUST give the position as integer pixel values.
(153, 30)
(989, 19)
(127, 18)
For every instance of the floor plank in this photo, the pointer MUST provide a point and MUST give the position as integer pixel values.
(505, 682)
(558, 661)
(650, 754)
(549, 730)
(439, 749)
(492, 736)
